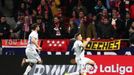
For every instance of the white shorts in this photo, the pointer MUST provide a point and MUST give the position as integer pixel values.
(82, 62)
(32, 54)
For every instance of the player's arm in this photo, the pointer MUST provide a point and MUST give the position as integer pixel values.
(33, 40)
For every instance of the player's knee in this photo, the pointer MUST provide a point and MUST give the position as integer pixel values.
(91, 63)
(40, 62)
(73, 61)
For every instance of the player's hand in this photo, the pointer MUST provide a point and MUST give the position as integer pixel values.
(39, 48)
(88, 39)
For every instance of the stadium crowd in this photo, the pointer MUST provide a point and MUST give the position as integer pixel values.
(97, 19)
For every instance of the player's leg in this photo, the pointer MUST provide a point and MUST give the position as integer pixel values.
(28, 69)
(84, 62)
(31, 56)
(23, 61)
(31, 59)
(38, 58)
(77, 60)
(91, 62)
(87, 64)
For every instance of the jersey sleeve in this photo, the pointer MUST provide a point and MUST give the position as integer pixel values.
(77, 44)
(34, 35)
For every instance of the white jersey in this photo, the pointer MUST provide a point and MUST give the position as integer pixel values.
(78, 48)
(33, 34)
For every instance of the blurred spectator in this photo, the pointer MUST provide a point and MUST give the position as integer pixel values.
(57, 2)
(111, 4)
(127, 25)
(104, 29)
(68, 5)
(131, 39)
(80, 8)
(132, 10)
(99, 7)
(18, 30)
(4, 28)
(43, 8)
(131, 29)
(26, 26)
(60, 14)
(103, 13)
(23, 9)
(34, 3)
(94, 19)
(54, 8)
(34, 16)
(48, 26)
(74, 16)
(87, 29)
(42, 27)
(81, 15)
(72, 28)
(59, 30)
(128, 20)
(89, 4)
(72, 10)
(118, 25)
(121, 8)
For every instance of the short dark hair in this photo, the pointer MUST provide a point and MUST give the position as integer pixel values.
(33, 27)
(76, 35)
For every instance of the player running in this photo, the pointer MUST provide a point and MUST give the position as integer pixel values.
(80, 59)
(31, 53)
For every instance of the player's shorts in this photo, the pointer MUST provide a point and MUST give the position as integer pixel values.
(32, 54)
(82, 60)
(85, 60)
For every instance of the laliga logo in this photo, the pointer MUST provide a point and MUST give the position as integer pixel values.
(91, 69)
(116, 69)
(109, 69)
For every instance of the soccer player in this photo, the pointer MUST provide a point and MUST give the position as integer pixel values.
(80, 59)
(31, 53)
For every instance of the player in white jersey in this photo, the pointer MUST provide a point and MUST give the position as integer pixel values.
(80, 58)
(31, 53)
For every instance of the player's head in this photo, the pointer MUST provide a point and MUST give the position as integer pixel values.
(35, 26)
(78, 36)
